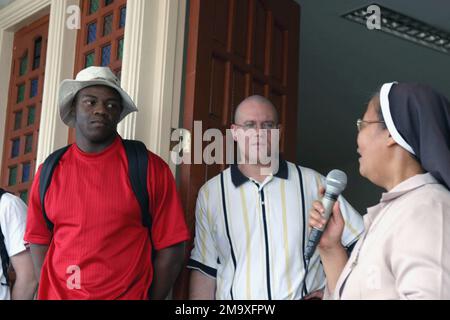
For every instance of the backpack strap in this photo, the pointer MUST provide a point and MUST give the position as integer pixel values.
(137, 155)
(3, 252)
(46, 177)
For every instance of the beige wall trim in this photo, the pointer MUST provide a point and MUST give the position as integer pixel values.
(132, 62)
(20, 13)
(152, 70)
(53, 133)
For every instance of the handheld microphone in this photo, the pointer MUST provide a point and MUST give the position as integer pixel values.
(335, 184)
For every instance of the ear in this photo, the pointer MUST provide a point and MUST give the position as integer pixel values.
(390, 142)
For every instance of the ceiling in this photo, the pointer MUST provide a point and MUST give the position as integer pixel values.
(342, 64)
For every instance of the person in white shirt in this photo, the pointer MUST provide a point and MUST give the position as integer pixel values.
(251, 224)
(13, 213)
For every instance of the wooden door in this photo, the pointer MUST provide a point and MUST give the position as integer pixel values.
(24, 107)
(237, 48)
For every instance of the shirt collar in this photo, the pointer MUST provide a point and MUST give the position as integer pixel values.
(111, 149)
(404, 187)
(238, 178)
(408, 185)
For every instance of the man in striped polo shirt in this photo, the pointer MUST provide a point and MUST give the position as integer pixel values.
(251, 227)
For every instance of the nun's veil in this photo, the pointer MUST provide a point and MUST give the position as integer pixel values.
(418, 119)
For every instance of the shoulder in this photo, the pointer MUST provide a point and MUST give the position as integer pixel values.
(309, 175)
(12, 205)
(421, 221)
(424, 211)
(59, 155)
(156, 161)
(431, 197)
(436, 192)
(215, 182)
(304, 170)
(159, 174)
(9, 199)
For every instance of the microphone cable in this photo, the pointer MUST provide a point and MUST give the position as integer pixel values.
(305, 289)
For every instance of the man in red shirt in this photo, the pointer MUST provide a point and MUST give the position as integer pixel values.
(99, 247)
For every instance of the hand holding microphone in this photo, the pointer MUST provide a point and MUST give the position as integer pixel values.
(326, 227)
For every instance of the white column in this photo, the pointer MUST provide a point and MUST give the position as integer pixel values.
(53, 133)
(152, 70)
(131, 62)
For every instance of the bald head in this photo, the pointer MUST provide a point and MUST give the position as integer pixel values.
(251, 103)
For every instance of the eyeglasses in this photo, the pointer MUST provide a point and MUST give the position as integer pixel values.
(360, 124)
(268, 125)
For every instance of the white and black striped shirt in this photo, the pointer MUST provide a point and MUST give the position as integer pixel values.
(250, 236)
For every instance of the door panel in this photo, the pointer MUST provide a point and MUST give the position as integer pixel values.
(24, 107)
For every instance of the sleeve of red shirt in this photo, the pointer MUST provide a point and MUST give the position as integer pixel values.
(168, 221)
(36, 231)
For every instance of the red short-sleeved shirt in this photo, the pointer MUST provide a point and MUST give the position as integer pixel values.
(98, 235)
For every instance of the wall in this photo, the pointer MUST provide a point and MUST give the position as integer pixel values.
(341, 64)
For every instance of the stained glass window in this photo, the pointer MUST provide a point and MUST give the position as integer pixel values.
(18, 120)
(26, 170)
(37, 53)
(108, 25)
(34, 88)
(21, 93)
(15, 148)
(23, 64)
(28, 144)
(92, 32)
(123, 16)
(106, 55)
(90, 60)
(24, 107)
(31, 115)
(120, 50)
(12, 180)
(93, 6)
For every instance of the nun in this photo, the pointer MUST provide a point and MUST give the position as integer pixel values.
(404, 252)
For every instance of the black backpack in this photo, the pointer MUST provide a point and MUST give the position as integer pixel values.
(3, 252)
(137, 156)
